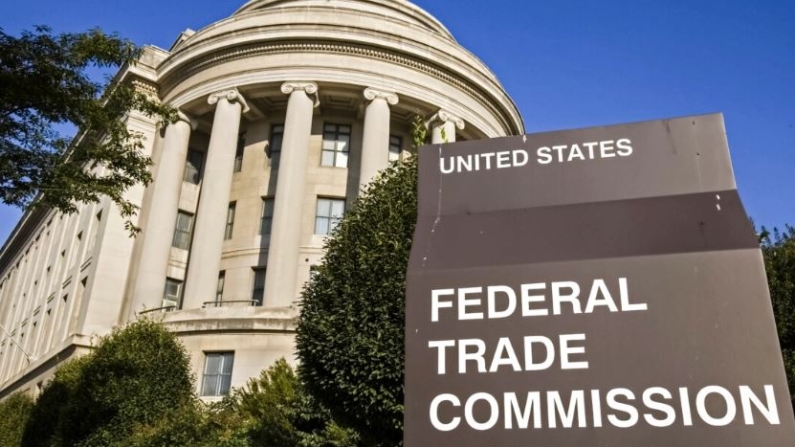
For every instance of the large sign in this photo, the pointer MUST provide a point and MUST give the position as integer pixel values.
(598, 287)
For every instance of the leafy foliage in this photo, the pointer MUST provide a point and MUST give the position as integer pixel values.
(193, 425)
(14, 414)
(778, 249)
(282, 414)
(135, 377)
(350, 331)
(45, 83)
(45, 425)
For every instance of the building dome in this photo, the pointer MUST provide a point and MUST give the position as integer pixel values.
(287, 109)
(394, 9)
(386, 43)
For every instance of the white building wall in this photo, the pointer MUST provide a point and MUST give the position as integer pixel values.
(66, 279)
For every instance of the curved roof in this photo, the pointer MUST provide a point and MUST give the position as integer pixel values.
(407, 10)
(394, 31)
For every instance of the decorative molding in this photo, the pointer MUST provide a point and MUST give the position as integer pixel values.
(390, 97)
(308, 87)
(236, 53)
(443, 116)
(230, 95)
(147, 87)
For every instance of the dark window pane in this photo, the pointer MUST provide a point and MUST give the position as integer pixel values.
(193, 167)
(241, 146)
(336, 144)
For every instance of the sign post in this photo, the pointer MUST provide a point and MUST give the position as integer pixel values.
(599, 287)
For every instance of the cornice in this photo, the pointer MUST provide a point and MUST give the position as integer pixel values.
(226, 55)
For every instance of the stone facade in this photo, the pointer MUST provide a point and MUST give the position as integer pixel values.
(287, 108)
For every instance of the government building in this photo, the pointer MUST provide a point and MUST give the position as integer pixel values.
(287, 108)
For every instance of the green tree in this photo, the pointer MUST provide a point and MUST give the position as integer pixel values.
(194, 424)
(46, 84)
(135, 377)
(14, 413)
(282, 414)
(44, 426)
(778, 249)
(350, 331)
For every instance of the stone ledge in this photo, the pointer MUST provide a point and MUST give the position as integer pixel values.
(231, 320)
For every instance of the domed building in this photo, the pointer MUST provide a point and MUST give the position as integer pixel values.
(287, 108)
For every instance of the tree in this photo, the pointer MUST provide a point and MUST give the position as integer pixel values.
(193, 424)
(270, 411)
(135, 377)
(778, 249)
(44, 426)
(350, 330)
(14, 413)
(282, 414)
(46, 84)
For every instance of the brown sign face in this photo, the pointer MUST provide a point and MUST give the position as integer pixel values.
(598, 287)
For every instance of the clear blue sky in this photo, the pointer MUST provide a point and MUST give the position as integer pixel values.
(571, 64)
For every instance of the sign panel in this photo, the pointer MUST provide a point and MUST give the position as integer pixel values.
(598, 287)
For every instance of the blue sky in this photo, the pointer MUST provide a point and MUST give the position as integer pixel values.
(571, 64)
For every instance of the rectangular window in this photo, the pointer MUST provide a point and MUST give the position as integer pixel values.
(217, 377)
(258, 291)
(336, 145)
(230, 221)
(266, 218)
(241, 146)
(219, 290)
(275, 145)
(329, 212)
(172, 295)
(395, 148)
(193, 167)
(182, 230)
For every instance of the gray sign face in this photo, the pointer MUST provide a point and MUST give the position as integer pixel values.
(598, 287)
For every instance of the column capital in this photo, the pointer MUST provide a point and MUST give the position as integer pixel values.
(184, 117)
(230, 95)
(443, 116)
(308, 87)
(390, 97)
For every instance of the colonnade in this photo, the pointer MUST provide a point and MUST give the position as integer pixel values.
(207, 242)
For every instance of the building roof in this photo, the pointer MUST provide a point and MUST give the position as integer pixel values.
(401, 8)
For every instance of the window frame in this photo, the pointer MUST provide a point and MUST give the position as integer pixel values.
(274, 149)
(258, 293)
(221, 388)
(195, 172)
(265, 217)
(338, 149)
(240, 152)
(187, 234)
(331, 220)
(230, 221)
(398, 144)
(180, 289)
(219, 288)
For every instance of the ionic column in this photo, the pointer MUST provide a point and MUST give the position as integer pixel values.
(375, 139)
(443, 125)
(162, 215)
(280, 274)
(208, 233)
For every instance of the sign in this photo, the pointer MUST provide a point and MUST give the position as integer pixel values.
(598, 287)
